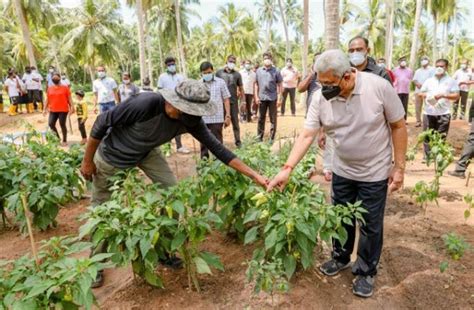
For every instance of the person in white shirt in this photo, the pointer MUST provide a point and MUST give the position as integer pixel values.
(13, 86)
(32, 80)
(248, 80)
(438, 92)
(65, 81)
(127, 89)
(421, 75)
(146, 86)
(169, 80)
(462, 76)
(105, 91)
(291, 78)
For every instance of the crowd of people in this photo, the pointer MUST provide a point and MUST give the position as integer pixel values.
(356, 108)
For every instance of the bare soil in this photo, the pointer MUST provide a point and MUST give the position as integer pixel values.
(408, 277)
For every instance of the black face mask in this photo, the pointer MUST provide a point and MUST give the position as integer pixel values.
(331, 91)
(56, 81)
(28, 71)
(189, 120)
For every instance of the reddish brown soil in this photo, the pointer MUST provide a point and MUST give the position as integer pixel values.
(408, 278)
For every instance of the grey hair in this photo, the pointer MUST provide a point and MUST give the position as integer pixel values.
(335, 60)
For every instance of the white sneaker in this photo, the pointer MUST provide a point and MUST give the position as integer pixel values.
(183, 150)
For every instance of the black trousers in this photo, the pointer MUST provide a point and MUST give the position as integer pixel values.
(373, 196)
(216, 130)
(463, 96)
(292, 92)
(271, 106)
(53, 118)
(82, 127)
(234, 117)
(404, 100)
(471, 112)
(467, 153)
(248, 107)
(439, 123)
(179, 144)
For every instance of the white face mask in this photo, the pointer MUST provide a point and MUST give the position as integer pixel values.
(51, 70)
(289, 64)
(381, 64)
(267, 62)
(357, 58)
(403, 63)
(248, 67)
(439, 71)
(33, 71)
(424, 62)
(463, 66)
(126, 82)
(101, 74)
(231, 65)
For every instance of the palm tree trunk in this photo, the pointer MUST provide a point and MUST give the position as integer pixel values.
(414, 40)
(332, 24)
(268, 35)
(148, 48)
(455, 39)
(390, 12)
(141, 39)
(160, 51)
(285, 27)
(435, 37)
(25, 31)
(180, 37)
(305, 35)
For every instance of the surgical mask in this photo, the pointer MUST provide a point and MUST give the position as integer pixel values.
(381, 65)
(424, 62)
(289, 64)
(207, 77)
(51, 70)
(357, 58)
(126, 81)
(231, 65)
(248, 67)
(56, 81)
(439, 71)
(331, 91)
(172, 68)
(267, 62)
(403, 64)
(63, 77)
(34, 71)
(463, 66)
(101, 74)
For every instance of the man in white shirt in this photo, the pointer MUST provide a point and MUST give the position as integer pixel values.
(248, 80)
(13, 86)
(105, 91)
(290, 77)
(421, 75)
(462, 76)
(32, 80)
(169, 80)
(65, 81)
(438, 92)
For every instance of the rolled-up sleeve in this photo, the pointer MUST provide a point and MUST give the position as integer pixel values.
(203, 135)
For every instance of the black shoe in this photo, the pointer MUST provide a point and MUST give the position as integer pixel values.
(332, 267)
(458, 174)
(99, 280)
(363, 286)
(172, 262)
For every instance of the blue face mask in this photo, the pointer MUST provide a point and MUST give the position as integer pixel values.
(172, 68)
(207, 77)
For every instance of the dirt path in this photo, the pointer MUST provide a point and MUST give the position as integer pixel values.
(408, 276)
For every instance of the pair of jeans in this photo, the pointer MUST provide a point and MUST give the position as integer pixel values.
(106, 106)
(216, 130)
(234, 117)
(81, 123)
(53, 119)
(292, 92)
(467, 153)
(271, 106)
(439, 123)
(404, 100)
(463, 96)
(373, 196)
(179, 144)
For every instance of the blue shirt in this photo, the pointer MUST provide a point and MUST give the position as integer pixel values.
(267, 80)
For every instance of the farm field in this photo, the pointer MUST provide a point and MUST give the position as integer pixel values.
(409, 275)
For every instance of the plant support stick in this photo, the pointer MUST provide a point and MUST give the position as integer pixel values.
(30, 230)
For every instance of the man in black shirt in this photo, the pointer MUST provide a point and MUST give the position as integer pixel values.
(128, 136)
(233, 79)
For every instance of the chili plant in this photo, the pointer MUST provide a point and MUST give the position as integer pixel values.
(268, 277)
(60, 281)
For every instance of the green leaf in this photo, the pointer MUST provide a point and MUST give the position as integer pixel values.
(178, 206)
(178, 241)
(86, 229)
(443, 266)
(101, 257)
(251, 235)
(290, 265)
(153, 279)
(212, 260)
(467, 214)
(271, 239)
(251, 215)
(145, 245)
(201, 265)
(39, 288)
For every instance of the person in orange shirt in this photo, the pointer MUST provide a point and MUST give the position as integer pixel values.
(59, 104)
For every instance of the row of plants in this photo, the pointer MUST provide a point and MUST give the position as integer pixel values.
(38, 176)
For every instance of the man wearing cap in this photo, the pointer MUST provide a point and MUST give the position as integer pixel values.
(421, 75)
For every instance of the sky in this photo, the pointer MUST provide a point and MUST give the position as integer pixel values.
(209, 8)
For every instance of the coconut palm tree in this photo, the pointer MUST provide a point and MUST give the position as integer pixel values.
(285, 27)
(331, 23)
(305, 36)
(390, 23)
(268, 15)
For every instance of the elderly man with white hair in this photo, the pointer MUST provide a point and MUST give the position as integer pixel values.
(362, 113)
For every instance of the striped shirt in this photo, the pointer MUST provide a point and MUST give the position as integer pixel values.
(219, 92)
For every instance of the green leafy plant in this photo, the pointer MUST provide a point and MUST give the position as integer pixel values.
(469, 200)
(60, 281)
(166, 149)
(456, 246)
(268, 276)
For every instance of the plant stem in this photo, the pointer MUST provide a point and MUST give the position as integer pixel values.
(30, 230)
